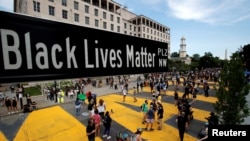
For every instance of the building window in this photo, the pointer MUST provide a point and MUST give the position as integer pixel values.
(87, 20)
(88, 1)
(111, 17)
(125, 25)
(139, 35)
(134, 28)
(76, 5)
(104, 15)
(64, 2)
(130, 27)
(104, 25)
(51, 0)
(118, 29)
(96, 23)
(118, 19)
(64, 14)
(76, 17)
(139, 29)
(125, 32)
(36, 6)
(86, 9)
(111, 27)
(143, 29)
(51, 10)
(96, 12)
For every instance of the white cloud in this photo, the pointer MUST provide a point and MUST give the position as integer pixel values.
(6, 5)
(210, 11)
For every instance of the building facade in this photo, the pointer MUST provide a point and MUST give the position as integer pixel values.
(99, 14)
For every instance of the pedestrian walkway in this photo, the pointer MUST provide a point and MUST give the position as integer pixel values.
(58, 121)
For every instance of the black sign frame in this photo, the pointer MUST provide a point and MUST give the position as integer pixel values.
(34, 49)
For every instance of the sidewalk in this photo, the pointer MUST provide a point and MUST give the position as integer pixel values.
(42, 101)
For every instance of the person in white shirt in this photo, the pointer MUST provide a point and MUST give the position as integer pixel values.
(101, 107)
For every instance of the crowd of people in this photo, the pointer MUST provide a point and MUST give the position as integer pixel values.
(152, 109)
(15, 104)
(191, 83)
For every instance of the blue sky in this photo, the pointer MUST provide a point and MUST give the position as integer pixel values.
(208, 25)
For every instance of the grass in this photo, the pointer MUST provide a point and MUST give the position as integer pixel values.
(33, 91)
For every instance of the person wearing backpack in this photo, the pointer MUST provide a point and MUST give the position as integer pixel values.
(107, 120)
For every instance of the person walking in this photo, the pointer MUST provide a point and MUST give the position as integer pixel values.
(124, 92)
(91, 106)
(144, 109)
(206, 89)
(82, 96)
(101, 106)
(138, 87)
(71, 93)
(107, 121)
(195, 91)
(97, 121)
(90, 130)
(176, 98)
(78, 107)
(160, 112)
(181, 123)
(134, 93)
(115, 85)
(150, 118)
(141, 86)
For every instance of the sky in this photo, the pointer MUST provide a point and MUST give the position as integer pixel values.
(207, 25)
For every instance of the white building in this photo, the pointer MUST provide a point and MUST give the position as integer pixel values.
(182, 53)
(100, 14)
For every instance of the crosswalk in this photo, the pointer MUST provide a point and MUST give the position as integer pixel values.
(56, 123)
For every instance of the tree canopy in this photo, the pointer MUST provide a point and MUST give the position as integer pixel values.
(245, 53)
(232, 105)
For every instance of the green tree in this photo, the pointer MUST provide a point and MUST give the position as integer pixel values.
(206, 61)
(232, 105)
(196, 58)
(175, 54)
(245, 53)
